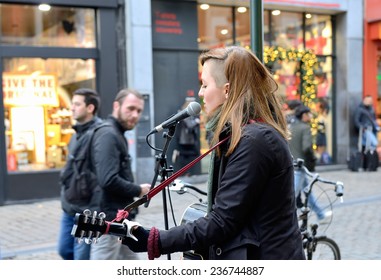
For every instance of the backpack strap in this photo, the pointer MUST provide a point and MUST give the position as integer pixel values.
(82, 154)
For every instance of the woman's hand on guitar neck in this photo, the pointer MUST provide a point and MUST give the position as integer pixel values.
(145, 241)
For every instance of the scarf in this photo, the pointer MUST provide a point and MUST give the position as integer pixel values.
(211, 127)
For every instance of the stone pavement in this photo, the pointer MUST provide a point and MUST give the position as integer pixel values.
(29, 231)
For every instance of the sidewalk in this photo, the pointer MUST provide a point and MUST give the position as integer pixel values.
(29, 231)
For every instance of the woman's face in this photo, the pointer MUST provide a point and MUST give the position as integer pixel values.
(212, 94)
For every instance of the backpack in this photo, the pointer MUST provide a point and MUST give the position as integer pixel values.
(78, 179)
(188, 132)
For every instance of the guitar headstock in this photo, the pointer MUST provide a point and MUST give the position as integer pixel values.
(89, 226)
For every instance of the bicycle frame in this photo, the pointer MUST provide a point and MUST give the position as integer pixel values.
(309, 231)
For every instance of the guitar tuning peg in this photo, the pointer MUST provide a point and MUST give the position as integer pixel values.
(97, 235)
(101, 217)
(89, 238)
(94, 218)
(87, 214)
(81, 236)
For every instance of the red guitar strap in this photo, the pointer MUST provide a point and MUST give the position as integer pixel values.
(122, 214)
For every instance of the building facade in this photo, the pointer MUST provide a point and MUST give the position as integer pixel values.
(313, 48)
(46, 52)
(372, 55)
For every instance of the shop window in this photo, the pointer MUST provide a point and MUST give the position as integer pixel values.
(302, 75)
(37, 101)
(266, 29)
(287, 29)
(215, 27)
(318, 34)
(297, 50)
(58, 26)
(242, 26)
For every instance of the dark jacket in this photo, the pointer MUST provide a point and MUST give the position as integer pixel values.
(112, 165)
(365, 117)
(301, 143)
(253, 214)
(76, 142)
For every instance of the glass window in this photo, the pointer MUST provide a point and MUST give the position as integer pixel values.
(37, 100)
(321, 108)
(286, 73)
(287, 31)
(59, 26)
(266, 29)
(318, 33)
(300, 59)
(242, 26)
(214, 26)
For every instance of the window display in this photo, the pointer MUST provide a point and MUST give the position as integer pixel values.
(37, 100)
(37, 92)
(297, 50)
(56, 26)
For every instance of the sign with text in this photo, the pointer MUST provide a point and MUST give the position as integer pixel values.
(30, 90)
(174, 25)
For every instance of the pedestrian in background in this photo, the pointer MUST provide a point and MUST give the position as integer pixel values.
(289, 109)
(301, 147)
(322, 110)
(84, 107)
(365, 119)
(188, 140)
(251, 201)
(112, 164)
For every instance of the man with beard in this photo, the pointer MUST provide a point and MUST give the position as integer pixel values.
(112, 164)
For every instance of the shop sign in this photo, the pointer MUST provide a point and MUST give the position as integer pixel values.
(30, 90)
(174, 25)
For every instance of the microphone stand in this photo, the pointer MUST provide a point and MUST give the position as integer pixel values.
(162, 170)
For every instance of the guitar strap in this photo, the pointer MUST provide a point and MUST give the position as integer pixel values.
(122, 214)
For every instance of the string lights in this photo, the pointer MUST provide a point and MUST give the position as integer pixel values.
(308, 63)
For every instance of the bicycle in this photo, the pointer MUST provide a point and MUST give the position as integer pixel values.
(194, 210)
(317, 246)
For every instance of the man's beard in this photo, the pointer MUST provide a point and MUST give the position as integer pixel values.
(123, 123)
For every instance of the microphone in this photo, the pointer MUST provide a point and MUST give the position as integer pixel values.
(193, 109)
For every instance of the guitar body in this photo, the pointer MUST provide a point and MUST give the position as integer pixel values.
(191, 213)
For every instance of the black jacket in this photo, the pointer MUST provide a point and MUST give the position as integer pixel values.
(365, 117)
(77, 140)
(112, 165)
(253, 214)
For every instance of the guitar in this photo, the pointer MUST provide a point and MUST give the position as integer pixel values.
(90, 226)
(191, 213)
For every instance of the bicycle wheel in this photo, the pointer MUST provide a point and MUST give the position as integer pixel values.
(323, 248)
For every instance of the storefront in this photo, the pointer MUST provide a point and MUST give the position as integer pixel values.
(46, 52)
(372, 56)
(301, 40)
(298, 49)
(313, 48)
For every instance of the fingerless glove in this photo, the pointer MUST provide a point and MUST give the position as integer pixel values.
(148, 241)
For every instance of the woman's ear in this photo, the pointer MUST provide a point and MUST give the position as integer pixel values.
(226, 89)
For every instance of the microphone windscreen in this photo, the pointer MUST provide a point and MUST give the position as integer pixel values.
(193, 109)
